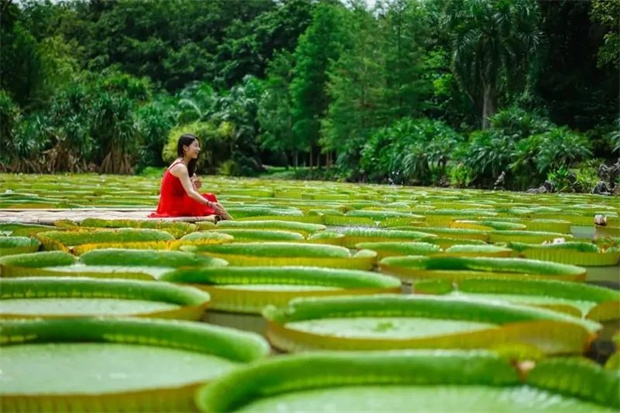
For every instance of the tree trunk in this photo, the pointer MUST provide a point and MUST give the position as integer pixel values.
(489, 105)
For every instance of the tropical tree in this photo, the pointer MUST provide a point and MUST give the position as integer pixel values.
(10, 116)
(405, 26)
(605, 12)
(67, 123)
(356, 90)
(196, 102)
(21, 68)
(494, 45)
(317, 48)
(274, 110)
(155, 120)
(238, 108)
(113, 120)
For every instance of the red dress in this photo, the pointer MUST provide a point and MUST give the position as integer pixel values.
(174, 201)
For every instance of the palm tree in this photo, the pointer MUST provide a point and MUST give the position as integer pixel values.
(196, 103)
(494, 45)
(115, 126)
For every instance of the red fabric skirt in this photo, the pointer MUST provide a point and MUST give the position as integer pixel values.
(184, 207)
(174, 201)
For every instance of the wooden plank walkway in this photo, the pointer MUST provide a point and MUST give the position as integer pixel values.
(49, 216)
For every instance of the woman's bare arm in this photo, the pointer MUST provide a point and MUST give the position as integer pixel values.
(196, 181)
(180, 171)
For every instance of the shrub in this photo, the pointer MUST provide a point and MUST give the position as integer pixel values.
(212, 141)
(10, 116)
(488, 154)
(460, 175)
(155, 121)
(219, 153)
(416, 149)
(516, 123)
(560, 147)
(563, 179)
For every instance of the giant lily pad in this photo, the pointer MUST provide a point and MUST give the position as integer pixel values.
(301, 227)
(456, 268)
(51, 297)
(64, 240)
(353, 236)
(576, 253)
(105, 263)
(115, 364)
(283, 253)
(410, 382)
(250, 289)
(18, 245)
(580, 300)
(397, 322)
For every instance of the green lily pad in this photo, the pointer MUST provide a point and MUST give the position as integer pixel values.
(407, 382)
(115, 364)
(49, 297)
(392, 321)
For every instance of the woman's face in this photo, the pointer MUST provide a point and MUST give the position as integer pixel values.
(193, 150)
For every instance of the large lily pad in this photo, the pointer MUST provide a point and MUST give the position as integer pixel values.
(391, 322)
(51, 297)
(408, 382)
(18, 245)
(115, 364)
(290, 254)
(104, 263)
(457, 268)
(597, 303)
(250, 289)
(576, 253)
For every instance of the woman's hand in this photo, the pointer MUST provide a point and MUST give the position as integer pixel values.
(196, 182)
(218, 208)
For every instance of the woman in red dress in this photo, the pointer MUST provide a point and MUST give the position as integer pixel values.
(179, 195)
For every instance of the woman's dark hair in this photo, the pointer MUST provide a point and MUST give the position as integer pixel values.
(186, 140)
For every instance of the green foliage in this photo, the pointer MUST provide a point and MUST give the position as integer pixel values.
(411, 151)
(605, 13)
(21, 69)
(154, 121)
(196, 103)
(487, 155)
(317, 48)
(559, 147)
(102, 86)
(586, 175)
(517, 123)
(614, 137)
(274, 110)
(575, 91)
(524, 145)
(406, 32)
(355, 89)
(212, 138)
(239, 109)
(10, 117)
(460, 175)
(494, 44)
(563, 179)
